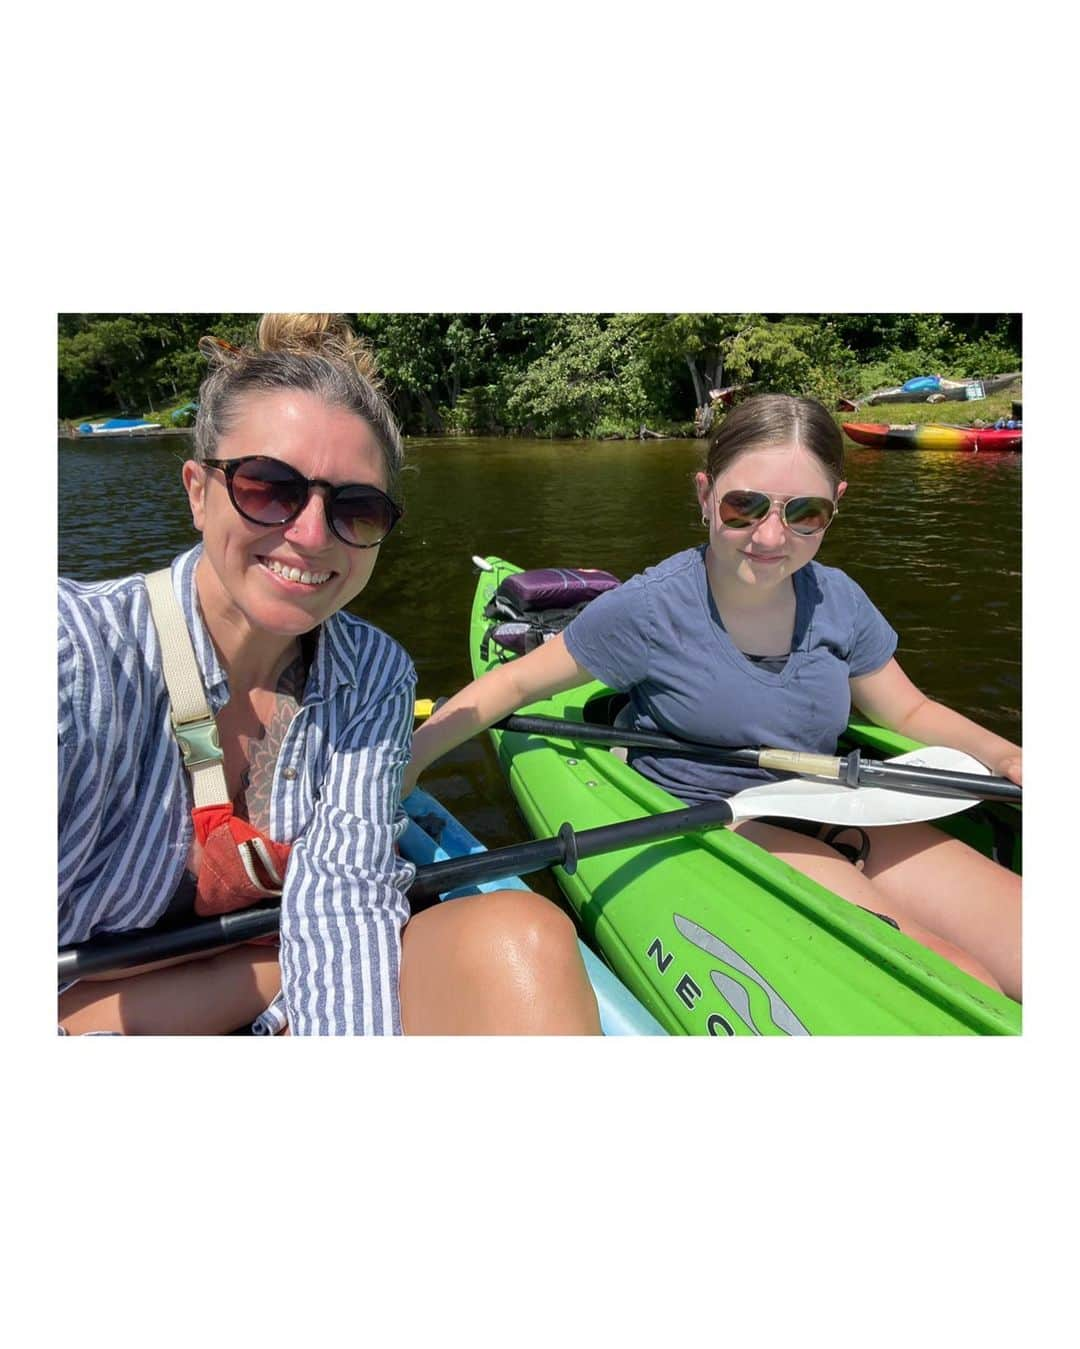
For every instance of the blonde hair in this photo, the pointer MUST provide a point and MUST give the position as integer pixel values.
(317, 353)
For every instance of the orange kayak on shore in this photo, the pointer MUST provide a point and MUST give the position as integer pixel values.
(880, 436)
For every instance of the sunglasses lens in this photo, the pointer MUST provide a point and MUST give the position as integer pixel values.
(267, 492)
(363, 515)
(808, 515)
(740, 510)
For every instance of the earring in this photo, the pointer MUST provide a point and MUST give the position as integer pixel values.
(705, 520)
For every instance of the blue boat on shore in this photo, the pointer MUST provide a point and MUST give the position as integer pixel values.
(120, 426)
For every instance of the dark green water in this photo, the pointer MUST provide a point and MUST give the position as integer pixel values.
(933, 537)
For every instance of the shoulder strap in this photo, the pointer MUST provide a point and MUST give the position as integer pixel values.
(193, 723)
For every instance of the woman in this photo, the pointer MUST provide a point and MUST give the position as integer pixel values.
(748, 640)
(292, 486)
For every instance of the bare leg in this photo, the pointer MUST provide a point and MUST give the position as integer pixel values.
(823, 864)
(953, 890)
(497, 964)
(209, 996)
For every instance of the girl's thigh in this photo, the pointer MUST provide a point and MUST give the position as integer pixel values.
(953, 890)
(826, 866)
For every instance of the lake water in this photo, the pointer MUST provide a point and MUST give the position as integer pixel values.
(932, 536)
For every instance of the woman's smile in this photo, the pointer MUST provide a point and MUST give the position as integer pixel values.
(295, 575)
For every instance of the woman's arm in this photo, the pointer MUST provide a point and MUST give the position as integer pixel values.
(528, 679)
(344, 901)
(889, 698)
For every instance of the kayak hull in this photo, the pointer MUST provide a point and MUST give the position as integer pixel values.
(879, 435)
(712, 934)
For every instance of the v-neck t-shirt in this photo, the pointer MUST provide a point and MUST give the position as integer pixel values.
(660, 637)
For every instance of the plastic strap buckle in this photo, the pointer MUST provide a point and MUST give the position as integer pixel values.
(199, 742)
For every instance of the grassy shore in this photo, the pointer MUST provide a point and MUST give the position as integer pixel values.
(981, 411)
(977, 411)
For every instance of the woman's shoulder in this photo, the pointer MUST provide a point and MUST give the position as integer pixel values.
(93, 611)
(360, 653)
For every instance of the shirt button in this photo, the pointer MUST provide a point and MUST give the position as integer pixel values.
(288, 774)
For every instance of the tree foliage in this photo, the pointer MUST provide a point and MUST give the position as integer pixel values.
(553, 374)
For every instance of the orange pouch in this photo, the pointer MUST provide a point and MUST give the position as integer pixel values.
(240, 866)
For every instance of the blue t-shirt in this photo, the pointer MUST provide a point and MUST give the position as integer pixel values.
(661, 637)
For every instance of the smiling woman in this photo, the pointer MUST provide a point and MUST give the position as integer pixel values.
(292, 731)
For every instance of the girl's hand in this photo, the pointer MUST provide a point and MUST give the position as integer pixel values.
(1011, 766)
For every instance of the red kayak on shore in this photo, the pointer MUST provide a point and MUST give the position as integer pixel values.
(880, 436)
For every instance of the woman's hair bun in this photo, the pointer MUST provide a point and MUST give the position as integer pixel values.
(328, 335)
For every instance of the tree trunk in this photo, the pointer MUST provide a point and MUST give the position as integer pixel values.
(431, 412)
(701, 397)
(716, 376)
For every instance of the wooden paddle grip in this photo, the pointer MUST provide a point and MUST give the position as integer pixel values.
(795, 761)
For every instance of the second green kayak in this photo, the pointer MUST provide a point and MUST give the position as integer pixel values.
(710, 932)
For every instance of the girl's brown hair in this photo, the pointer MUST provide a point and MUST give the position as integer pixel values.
(777, 419)
(317, 353)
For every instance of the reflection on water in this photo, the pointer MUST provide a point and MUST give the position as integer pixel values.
(932, 536)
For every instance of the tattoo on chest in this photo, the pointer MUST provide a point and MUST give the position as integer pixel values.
(260, 752)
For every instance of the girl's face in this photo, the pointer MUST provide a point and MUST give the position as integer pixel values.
(767, 552)
(241, 582)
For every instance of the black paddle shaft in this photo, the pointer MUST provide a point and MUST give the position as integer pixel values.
(938, 782)
(610, 735)
(852, 770)
(102, 954)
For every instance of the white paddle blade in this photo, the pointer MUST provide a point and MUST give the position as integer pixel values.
(831, 803)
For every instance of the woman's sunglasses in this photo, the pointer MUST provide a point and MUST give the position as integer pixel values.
(268, 492)
(802, 515)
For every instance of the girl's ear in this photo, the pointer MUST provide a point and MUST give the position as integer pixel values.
(840, 490)
(702, 486)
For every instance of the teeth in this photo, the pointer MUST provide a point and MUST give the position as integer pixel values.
(308, 578)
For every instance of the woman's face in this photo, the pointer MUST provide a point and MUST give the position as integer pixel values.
(765, 554)
(240, 581)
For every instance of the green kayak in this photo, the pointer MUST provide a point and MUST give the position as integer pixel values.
(711, 933)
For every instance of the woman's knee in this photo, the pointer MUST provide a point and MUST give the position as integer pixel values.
(524, 928)
(512, 930)
(502, 963)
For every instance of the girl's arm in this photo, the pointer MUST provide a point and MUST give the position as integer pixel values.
(889, 698)
(528, 679)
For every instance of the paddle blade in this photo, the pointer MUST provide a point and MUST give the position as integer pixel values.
(830, 803)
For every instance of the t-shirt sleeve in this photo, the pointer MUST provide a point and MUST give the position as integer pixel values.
(873, 641)
(610, 637)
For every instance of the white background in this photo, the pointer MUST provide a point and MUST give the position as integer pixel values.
(233, 157)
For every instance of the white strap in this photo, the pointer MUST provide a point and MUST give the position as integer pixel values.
(193, 722)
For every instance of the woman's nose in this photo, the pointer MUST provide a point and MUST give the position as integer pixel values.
(311, 528)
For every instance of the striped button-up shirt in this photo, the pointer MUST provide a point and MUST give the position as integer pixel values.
(125, 800)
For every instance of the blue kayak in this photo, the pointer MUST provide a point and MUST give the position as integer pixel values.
(433, 835)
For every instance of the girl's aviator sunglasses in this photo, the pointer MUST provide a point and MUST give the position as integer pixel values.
(802, 515)
(268, 492)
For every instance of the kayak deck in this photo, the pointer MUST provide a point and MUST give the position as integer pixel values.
(711, 933)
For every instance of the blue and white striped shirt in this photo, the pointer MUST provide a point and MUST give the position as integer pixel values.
(125, 800)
